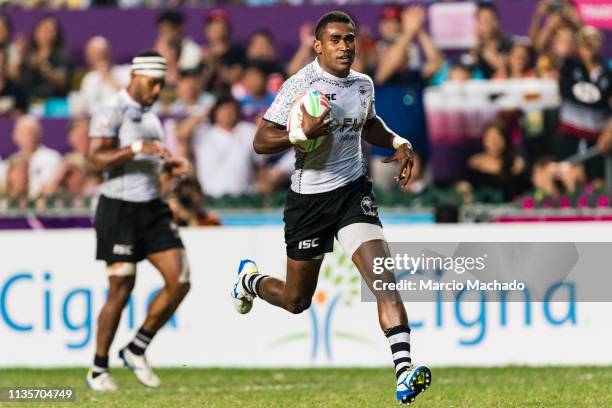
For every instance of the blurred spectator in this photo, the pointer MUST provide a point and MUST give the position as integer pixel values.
(275, 173)
(455, 72)
(231, 71)
(491, 43)
(74, 176)
(43, 161)
(586, 92)
(45, 67)
(225, 160)
(551, 18)
(7, 41)
(103, 79)
(261, 46)
(13, 99)
(170, 49)
(552, 178)
(190, 99)
(16, 180)
(6, 31)
(399, 90)
(252, 94)
(519, 62)
(305, 52)
(171, 26)
(187, 205)
(217, 36)
(498, 167)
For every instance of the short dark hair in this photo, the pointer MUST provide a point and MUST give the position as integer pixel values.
(173, 17)
(332, 17)
(483, 6)
(148, 53)
(264, 32)
(224, 98)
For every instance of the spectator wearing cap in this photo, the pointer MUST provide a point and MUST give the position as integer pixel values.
(218, 46)
(171, 27)
(252, 92)
(43, 161)
(13, 100)
(103, 79)
(586, 95)
(399, 89)
(45, 68)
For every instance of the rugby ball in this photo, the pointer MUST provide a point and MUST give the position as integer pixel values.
(314, 103)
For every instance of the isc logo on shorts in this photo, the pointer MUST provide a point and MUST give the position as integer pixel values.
(309, 243)
(120, 249)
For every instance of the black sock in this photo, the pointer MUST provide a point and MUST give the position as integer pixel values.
(251, 282)
(100, 365)
(399, 340)
(140, 342)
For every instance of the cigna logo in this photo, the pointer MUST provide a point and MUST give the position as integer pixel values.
(339, 286)
(31, 303)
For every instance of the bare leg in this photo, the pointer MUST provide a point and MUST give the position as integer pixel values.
(391, 311)
(170, 264)
(294, 294)
(119, 291)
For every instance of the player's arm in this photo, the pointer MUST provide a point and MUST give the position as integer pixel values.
(273, 138)
(104, 153)
(376, 132)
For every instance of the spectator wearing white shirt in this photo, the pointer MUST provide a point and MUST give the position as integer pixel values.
(103, 79)
(43, 161)
(225, 160)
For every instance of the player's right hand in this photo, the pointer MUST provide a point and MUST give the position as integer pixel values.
(318, 126)
(155, 148)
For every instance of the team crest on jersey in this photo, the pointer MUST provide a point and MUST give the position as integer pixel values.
(369, 207)
(363, 97)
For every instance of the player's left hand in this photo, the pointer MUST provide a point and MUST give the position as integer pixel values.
(178, 166)
(404, 155)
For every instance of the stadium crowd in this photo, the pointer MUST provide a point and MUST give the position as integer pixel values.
(215, 95)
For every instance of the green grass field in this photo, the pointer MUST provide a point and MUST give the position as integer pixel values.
(451, 387)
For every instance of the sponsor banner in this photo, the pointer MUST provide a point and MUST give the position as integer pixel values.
(597, 13)
(51, 291)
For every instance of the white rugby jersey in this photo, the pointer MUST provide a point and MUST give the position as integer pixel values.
(338, 160)
(136, 180)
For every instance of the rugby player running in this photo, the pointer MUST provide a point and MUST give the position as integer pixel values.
(330, 195)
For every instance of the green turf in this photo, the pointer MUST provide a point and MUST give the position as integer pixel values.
(451, 387)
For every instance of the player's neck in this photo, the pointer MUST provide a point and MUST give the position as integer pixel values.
(132, 94)
(328, 70)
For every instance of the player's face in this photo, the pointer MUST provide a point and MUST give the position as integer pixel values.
(148, 89)
(336, 49)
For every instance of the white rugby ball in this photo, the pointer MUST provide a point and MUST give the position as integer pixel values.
(314, 103)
